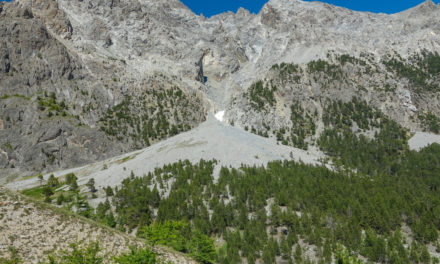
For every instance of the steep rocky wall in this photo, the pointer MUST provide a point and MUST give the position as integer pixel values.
(52, 98)
(36, 134)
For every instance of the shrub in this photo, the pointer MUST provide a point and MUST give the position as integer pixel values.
(141, 256)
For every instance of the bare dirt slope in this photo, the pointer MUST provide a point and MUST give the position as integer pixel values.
(422, 139)
(36, 229)
(213, 139)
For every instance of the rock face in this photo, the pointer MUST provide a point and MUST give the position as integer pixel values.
(34, 65)
(54, 99)
(81, 81)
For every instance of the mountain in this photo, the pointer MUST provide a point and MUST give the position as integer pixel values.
(304, 127)
(85, 80)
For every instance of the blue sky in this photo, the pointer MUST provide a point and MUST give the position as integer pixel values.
(209, 8)
(214, 7)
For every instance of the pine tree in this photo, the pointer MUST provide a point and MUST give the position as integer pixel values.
(286, 250)
(327, 252)
(74, 186)
(110, 219)
(52, 181)
(47, 191)
(109, 191)
(298, 254)
(424, 256)
(91, 185)
(60, 199)
(40, 178)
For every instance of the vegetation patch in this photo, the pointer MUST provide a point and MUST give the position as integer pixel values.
(430, 122)
(288, 71)
(36, 192)
(261, 96)
(91, 253)
(303, 127)
(345, 58)
(342, 116)
(50, 104)
(6, 96)
(332, 71)
(153, 116)
(262, 222)
(179, 236)
(52, 191)
(421, 70)
(123, 160)
(355, 150)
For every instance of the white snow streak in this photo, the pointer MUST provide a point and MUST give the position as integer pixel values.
(219, 116)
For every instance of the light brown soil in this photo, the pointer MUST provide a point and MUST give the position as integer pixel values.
(36, 229)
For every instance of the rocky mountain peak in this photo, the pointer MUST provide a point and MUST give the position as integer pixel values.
(243, 12)
(428, 3)
(426, 8)
(285, 3)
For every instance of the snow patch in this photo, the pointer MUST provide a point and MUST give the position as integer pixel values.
(219, 116)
